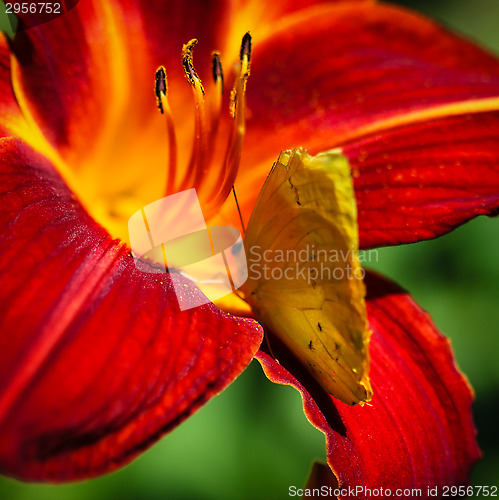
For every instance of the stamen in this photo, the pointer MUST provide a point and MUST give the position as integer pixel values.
(198, 164)
(161, 90)
(237, 109)
(215, 190)
(187, 61)
(216, 107)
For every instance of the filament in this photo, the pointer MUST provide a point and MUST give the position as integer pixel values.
(216, 108)
(206, 127)
(161, 90)
(237, 111)
(198, 163)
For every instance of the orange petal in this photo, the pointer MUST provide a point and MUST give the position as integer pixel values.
(97, 360)
(84, 82)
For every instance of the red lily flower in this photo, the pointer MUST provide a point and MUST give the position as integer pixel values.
(97, 360)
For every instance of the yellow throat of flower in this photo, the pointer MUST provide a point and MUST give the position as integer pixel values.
(123, 168)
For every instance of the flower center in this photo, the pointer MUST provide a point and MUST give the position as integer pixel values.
(107, 174)
(213, 179)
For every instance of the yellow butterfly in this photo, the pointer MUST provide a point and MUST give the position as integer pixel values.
(305, 281)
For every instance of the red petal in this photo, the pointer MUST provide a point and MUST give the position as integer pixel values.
(419, 182)
(10, 114)
(97, 360)
(261, 19)
(381, 63)
(338, 76)
(418, 429)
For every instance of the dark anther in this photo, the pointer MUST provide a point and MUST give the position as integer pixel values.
(246, 47)
(217, 69)
(189, 70)
(160, 86)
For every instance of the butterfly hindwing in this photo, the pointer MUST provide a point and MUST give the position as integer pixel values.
(305, 281)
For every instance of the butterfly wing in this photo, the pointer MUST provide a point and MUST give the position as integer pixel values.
(305, 281)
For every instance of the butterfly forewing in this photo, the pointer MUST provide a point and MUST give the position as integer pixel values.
(305, 281)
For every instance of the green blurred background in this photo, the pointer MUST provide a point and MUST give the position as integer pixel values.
(253, 441)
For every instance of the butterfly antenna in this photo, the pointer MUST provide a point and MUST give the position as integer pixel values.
(238, 209)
